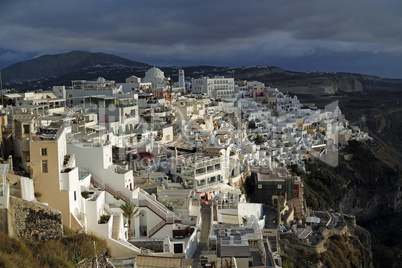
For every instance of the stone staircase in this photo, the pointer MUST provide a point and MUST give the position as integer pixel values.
(115, 232)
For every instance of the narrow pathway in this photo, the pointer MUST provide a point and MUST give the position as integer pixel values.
(205, 228)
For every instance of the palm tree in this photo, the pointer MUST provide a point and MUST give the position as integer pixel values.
(129, 210)
(170, 84)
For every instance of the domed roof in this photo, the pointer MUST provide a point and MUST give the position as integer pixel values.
(154, 76)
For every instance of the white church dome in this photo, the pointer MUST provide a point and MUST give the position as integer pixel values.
(154, 76)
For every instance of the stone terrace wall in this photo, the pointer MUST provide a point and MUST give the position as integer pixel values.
(155, 246)
(101, 261)
(3, 220)
(321, 246)
(31, 220)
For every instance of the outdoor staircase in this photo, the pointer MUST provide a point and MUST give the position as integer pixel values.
(167, 217)
(115, 232)
(110, 189)
(157, 227)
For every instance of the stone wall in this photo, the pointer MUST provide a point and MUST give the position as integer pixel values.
(3, 220)
(242, 180)
(155, 246)
(101, 261)
(326, 233)
(321, 246)
(32, 220)
(350, 220)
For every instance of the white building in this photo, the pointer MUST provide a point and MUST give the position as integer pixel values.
(118, 113)
(80, 89)
(134, 84)
(198, 172)
(156, 77)
(218, 87)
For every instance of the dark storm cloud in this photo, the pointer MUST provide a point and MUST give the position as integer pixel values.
(206, 32)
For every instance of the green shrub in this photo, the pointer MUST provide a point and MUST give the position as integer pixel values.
(85, 194)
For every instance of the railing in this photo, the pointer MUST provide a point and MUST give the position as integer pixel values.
(95, 182)
(113, 191)
(156, 228)
(147, 203)
(154, 202)
(160, 210)
(108, 209)
(110, 189)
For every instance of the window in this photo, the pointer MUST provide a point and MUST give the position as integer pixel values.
(178, 169)
(178, 248)
(44, 166)
(43, 152)
(75, 195)
(26, 129)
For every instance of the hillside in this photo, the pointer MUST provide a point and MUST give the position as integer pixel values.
(47, 66)
(73, 250)
(46, 71)
(367, 185)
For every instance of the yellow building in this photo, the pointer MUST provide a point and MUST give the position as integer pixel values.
(44, 156)
(55, 176)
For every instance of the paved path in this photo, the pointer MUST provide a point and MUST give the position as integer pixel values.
(203, 239)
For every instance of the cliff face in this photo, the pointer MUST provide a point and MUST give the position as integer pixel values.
(317, 85)
(367, 185)
(347, 85)
(364, 186)
(349, 247)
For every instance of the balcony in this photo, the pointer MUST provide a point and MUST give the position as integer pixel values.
(183, 233)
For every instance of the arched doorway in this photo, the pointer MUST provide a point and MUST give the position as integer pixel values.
(143, 223)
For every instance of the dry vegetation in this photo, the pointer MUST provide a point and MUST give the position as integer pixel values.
(342, 251)
(66, 252)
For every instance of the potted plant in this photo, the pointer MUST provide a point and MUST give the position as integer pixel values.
(188, 229)
(104, 219)
(85, 194)
(66, 159)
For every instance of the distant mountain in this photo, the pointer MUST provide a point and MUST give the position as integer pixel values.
(49, 70)
(47, 66)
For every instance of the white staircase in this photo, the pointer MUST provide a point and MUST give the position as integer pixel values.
(115, 232)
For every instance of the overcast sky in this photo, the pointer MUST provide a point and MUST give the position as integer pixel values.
(363, 36)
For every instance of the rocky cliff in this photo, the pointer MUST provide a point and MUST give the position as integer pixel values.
(364, 185)
(367, 185)
(349, 247)
(317, 85)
